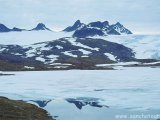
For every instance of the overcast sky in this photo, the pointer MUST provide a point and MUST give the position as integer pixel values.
(140, 16)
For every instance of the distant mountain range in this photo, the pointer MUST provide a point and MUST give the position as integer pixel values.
(40, 26)
(98, 28)
(80, 30)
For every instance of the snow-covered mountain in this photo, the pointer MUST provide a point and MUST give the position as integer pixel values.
(79, 29)
(98, 28)
(120, 28)
(41, 26)
(144, 46)
(79, 45)
(77, 25)
(3, 29)
(75, 51)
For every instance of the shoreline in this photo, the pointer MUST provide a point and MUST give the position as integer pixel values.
(16, 109)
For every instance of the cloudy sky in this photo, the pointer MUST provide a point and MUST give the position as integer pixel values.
(140, 16)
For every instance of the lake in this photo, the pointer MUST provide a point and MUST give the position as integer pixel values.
(126, 93)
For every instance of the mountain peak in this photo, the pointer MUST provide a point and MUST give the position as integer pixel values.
(121, 29)
(119, 24)
(106, 23)
(78, 22)
(101, 29)
(99, 24)
(41, 26)
(75, 26)
(17, 29)
(3, 28)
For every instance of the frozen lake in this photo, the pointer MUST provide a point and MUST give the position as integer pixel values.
(88, 94)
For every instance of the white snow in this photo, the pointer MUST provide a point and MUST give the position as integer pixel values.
(2, 49)
(45, 48)
(60, 66)
(97, 49)
(30, 53)
(17, 54)
(28, 67)
(40, 59)
(145, 46)
(68, 53)
(118, 64)
(63, 64)
(30, 37)
(152, 63)
(59, 47)
(36, 49)
(84, 56)
(52, 58)
(73, 42)
(126, 88)
(85, 52)
(110, 56)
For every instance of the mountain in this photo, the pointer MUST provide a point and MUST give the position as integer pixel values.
(81, 30)
(120, 28)
(17, 29)
(3, 28)
(76, 26)
(98, 28)
(41, 26)
(72, 52)
(80, 53)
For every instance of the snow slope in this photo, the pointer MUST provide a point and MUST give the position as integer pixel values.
(30, 37)
(145, 46)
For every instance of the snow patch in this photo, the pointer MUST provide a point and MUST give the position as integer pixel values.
(68, 53)
(28, 67)
(59, 47)
(85, 51)
(110, 56)
(144, 46)
(40, 59)
(53, 58)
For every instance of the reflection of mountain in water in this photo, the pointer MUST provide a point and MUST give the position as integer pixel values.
(41, 103)
(80, 102)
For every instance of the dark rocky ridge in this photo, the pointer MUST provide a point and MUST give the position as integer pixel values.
(41, 26)
(80, 30)
(76, 25)
(68, 53)
(79, 52)
(99, 28)
(3, 28)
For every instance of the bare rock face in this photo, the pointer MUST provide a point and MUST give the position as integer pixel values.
(19, 110)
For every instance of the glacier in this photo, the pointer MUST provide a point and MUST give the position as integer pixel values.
(144, 46)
